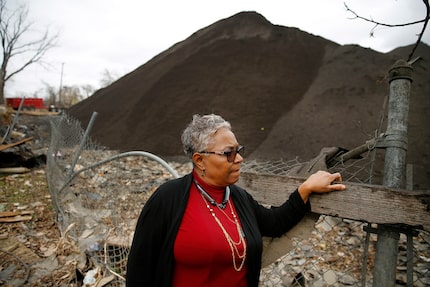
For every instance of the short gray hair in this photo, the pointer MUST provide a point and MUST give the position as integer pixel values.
(197, 136)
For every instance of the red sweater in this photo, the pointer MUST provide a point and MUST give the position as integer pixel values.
(202, 254)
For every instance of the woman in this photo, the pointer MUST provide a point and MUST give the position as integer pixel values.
(202, 229)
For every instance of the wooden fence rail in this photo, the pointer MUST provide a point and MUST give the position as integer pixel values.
(361, 202)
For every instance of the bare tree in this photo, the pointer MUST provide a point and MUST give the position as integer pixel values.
(13, 26)
(70, 95)
(108, 78)
(51, 93)
(88, 90)
(420, 35)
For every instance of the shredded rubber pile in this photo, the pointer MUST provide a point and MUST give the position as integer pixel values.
(287, 94)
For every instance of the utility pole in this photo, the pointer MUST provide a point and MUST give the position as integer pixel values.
(396, 145)
(61, 85)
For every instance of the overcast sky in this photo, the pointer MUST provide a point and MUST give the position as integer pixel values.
(121, 35)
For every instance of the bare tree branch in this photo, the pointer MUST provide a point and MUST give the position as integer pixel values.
(426, 3)
(13, 26)
(377, 23)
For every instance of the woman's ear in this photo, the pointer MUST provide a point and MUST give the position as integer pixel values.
(198, 161)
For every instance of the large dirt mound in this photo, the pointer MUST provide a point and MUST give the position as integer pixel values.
(287, 93)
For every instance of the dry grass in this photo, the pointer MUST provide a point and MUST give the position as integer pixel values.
(35, 245)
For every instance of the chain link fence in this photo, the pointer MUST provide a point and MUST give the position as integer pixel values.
(99, 193)
(341, 252)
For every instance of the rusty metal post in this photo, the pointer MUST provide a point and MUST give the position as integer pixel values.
(396, 143)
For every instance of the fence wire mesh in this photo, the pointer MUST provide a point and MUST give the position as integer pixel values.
(99, 200)
(341, 252)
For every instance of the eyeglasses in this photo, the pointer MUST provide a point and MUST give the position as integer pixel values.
(231, 154)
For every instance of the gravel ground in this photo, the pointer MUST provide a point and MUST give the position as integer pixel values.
(33, 251)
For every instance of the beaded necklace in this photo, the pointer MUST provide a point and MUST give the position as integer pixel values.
(212, 201)
(233, 244)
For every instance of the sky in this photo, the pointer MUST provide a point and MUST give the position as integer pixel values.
(118, 36)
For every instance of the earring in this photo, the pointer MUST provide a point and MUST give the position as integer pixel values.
(203, 173)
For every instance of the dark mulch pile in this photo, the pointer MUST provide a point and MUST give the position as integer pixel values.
(287, 94)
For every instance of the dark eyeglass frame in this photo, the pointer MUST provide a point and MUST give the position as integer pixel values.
(230, 155)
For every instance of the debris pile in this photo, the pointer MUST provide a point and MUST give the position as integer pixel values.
(38, 250)
(21, 148)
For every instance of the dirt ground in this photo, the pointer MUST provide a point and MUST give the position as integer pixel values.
(34, 237)
(32, 250)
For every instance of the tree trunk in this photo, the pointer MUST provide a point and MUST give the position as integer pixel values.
(2, 98)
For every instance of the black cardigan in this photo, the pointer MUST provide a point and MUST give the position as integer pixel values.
(151, 261)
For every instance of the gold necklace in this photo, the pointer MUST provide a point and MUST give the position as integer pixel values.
(233, 244)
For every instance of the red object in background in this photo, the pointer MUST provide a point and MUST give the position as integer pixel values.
(29, 104)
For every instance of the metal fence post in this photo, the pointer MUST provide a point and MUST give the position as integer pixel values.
(83, 141)
(396, 143)
(15, 120)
